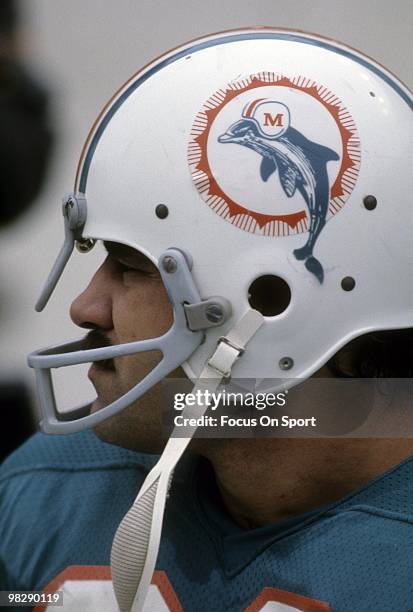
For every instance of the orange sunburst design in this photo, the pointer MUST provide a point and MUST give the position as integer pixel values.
(253, 221)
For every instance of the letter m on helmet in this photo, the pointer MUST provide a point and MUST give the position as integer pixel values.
(270, 120)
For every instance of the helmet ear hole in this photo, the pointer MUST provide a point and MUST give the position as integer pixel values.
(269, 294)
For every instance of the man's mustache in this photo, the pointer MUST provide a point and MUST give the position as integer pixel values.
(94, 339)
(98, 339)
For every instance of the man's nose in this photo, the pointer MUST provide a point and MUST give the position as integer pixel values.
(92, 309)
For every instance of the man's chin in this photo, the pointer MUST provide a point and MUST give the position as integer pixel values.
(97, 405)
(101, 402)
(130, 430)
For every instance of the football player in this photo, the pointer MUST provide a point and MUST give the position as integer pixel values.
(252, 191)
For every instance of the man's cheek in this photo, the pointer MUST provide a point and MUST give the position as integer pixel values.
(139, 364)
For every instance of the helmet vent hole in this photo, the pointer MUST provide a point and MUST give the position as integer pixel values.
(269, 294)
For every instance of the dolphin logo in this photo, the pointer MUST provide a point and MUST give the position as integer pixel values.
(302, 166)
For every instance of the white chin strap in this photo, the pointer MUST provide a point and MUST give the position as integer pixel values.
(136, 542)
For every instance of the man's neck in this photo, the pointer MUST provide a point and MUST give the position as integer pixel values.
(266, 481)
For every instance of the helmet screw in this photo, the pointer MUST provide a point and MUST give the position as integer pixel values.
(214, 313)
(161, 211)
(85, 245)
(370, 202)
(169, 264)
(286, 363)
(69, 207)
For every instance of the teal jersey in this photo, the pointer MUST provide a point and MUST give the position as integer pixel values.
(62, 498)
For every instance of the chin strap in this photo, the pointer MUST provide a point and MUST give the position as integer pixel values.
(136, 542)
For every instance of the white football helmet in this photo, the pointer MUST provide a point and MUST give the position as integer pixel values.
(252, 153)
(261, 170)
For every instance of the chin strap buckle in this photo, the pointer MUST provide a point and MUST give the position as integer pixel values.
(225, 355)
(232, 346)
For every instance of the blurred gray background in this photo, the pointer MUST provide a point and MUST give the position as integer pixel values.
(83, 50)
